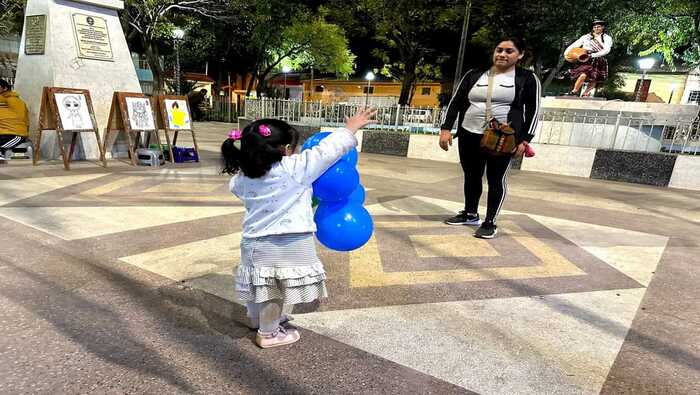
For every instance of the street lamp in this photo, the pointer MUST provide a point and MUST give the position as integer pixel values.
(178, 34)
(285, 70)
(369, 77)
(645, 64)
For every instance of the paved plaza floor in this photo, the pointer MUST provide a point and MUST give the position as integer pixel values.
(119, 280)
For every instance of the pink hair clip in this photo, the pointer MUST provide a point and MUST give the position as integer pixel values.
(264, 130)
(235, 134)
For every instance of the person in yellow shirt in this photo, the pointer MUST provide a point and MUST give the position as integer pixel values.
(14, 119)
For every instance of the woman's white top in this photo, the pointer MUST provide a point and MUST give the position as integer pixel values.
(586, 42)
(501, 99)
(280, 201)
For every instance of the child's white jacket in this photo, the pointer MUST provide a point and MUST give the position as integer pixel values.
(280, 201)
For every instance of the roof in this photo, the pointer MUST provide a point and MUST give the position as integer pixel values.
(201, 77)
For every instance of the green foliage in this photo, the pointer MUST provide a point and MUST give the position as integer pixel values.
(408, 31)
(151, 23)
(315, 42)
(278, 32)
(669, 28)
(12, 16)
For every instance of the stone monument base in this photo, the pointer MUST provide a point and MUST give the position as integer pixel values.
(83, 47)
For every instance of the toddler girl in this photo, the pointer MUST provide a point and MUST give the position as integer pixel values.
(279, 266)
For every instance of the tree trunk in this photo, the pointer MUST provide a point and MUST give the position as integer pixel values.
(538, 67)
(413, 92)
(555, 70)
(262, 84)
(407, 83)
(154, 63)
(251, 82)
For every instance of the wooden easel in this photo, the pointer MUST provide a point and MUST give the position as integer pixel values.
(120, 121)
(165, 123)
(50, 119)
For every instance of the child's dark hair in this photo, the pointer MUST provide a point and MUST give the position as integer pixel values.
(256, 153)
(5, 84)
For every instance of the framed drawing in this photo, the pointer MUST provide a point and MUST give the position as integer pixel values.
(66, 110)
(178, 114)
(140, 113)
(132, 114)
(174, 116)
(73, 111)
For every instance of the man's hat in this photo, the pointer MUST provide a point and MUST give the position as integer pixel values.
(599, 22)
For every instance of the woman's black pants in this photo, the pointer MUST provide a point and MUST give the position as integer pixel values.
(473, 161)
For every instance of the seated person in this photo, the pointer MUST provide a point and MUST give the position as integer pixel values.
(196, 100)
(14, 119)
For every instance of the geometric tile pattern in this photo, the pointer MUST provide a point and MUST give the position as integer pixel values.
(543, 308)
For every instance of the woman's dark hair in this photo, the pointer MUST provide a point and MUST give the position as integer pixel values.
(257, 153)
(5, 84)
(518, 43)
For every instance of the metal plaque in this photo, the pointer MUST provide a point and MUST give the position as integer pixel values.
(92, 37)
(35, 41)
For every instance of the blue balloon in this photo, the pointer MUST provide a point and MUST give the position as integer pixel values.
(350, 157)
(358, 195)
(337, 183)
(343, 226)
(314, 139)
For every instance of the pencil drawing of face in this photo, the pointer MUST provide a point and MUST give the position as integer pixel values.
(72, 104)
(139, 114)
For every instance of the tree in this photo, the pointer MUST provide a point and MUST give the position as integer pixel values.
(11, 17)
(548, 26)
(670, 28)
(289, 32)
(408, 31)
(150, 21)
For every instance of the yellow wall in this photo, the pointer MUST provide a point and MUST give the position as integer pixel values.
(661, 86)
(335, 91)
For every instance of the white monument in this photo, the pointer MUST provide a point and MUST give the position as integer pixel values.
(74, 44)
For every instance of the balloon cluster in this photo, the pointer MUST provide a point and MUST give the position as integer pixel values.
(342, 223)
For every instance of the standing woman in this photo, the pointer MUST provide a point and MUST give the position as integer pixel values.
(595, 70)
(515, 100)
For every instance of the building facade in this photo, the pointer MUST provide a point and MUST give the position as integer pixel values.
(375, 93)
(667, 87)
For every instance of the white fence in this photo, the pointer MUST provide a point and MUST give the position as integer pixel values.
(411, 119)
(647, 132)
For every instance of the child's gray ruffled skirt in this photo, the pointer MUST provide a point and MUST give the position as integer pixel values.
(280, 267)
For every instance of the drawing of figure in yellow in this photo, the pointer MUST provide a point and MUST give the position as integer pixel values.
(179, 117)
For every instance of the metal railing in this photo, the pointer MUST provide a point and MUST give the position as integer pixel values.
(409, 119)
(222, 109)
(648, 132)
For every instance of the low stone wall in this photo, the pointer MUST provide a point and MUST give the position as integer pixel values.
(385, 142)
(657, 169)
(637, 167)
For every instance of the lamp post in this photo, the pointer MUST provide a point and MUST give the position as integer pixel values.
(369, 77)
(285, 70)
(178, 34)
(645, 64)
(462, 46)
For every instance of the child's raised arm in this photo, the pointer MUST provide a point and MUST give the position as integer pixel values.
(310, 164)
(359, 120)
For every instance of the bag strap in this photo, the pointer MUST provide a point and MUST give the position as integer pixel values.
(489, 95)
